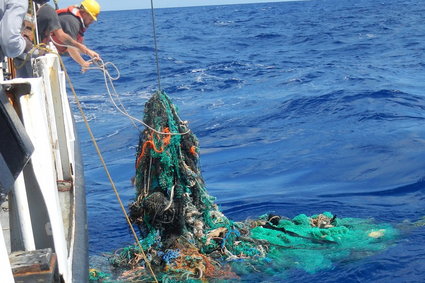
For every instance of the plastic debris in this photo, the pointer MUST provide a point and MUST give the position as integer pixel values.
(186, 237)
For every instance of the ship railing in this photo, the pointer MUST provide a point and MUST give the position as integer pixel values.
(41, 202)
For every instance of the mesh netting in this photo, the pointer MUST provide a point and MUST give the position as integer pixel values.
(171, 195)
(185, 236)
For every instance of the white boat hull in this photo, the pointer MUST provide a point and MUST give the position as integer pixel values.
(49, 196)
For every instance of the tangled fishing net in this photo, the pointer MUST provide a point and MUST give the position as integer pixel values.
(184, 236)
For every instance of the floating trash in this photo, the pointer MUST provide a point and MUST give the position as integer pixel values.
(185, 236)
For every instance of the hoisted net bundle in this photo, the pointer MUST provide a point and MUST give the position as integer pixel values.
(171, 195)
(185, 236)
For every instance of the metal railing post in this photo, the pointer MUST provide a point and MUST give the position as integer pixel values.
(24, 213)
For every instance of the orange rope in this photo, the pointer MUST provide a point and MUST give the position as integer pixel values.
(193, 150)
(165, 142)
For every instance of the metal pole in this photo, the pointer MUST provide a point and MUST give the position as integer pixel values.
(24, 213)
(35, 22)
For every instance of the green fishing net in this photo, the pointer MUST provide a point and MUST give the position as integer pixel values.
(184, 236)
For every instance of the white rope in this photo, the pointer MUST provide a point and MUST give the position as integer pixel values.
(171, 199)
(101, 65)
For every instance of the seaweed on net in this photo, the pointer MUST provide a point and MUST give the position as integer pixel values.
(185, 235)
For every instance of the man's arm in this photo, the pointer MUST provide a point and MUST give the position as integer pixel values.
(75, 54)
(12, 42)
(67, 40)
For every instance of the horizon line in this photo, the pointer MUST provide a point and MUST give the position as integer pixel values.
(207, 5)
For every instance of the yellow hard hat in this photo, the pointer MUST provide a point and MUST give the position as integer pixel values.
(91, 7)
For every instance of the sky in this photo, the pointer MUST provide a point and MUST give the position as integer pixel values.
(108, 5)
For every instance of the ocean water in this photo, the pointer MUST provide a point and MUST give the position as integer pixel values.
(300, 107)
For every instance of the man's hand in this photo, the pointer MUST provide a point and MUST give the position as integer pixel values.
(28, 44)
(93, 54)
(85, 65)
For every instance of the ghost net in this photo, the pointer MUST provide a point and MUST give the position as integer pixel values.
(186, 236)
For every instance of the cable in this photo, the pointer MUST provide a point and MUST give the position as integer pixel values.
(156, 47)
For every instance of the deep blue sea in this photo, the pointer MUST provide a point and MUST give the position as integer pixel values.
(299, 107)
